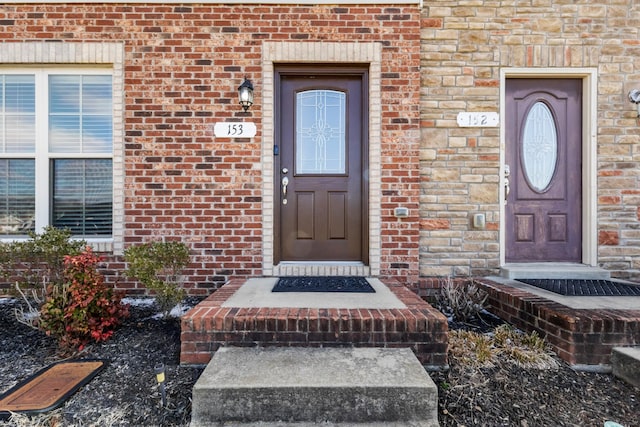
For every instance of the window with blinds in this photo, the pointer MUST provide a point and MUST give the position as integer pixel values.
(17, 196)
(56, 168)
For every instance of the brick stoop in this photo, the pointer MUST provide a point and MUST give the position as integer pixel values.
(209, 325)
(584, 338)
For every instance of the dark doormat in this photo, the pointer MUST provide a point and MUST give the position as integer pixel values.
(584, 287)
(323, 284)
(49, 387)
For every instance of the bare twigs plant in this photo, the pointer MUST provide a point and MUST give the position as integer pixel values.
(49, 419)
(526, 350)
(505, 345)
(472, 349)
(461, 299)
(32, 299)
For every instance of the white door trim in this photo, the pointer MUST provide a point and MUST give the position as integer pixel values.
(589, 78)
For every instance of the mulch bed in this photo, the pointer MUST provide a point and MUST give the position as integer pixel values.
(126, 392)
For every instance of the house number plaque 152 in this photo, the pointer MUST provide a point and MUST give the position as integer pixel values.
(234, 130)
(477, 119)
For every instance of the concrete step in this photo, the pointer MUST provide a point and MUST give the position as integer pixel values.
(300, 386)
(625, 362)
(553, 270)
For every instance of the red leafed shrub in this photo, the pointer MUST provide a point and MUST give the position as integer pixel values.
(83, 308)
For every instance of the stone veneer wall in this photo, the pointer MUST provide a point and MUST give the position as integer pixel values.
(464, 47)
(181, 65)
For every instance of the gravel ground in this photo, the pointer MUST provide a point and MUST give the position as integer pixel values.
(126, 392)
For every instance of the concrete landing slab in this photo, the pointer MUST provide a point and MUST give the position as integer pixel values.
(577, 302)
(311, 386)
(552, 270)
(625, 362)
(256, 292)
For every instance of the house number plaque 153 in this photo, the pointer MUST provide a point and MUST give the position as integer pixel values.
(234, 130)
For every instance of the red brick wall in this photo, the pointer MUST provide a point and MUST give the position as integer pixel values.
(183, 64)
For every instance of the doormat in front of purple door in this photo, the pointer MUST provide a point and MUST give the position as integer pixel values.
(585, 287)
(323, 284)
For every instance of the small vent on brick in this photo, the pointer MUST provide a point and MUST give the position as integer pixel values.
(584, 287)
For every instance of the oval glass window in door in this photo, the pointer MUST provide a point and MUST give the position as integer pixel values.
(539, 146)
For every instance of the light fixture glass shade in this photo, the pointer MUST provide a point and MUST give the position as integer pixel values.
(245, 94)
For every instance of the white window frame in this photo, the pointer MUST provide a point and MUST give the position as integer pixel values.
(43, 156)
(73, 58)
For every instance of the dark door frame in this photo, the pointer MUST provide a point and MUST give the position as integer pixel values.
(323, 70)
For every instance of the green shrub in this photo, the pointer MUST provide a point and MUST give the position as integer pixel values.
(39, 260)
(34, 268)
(158, 266)
(83, 308)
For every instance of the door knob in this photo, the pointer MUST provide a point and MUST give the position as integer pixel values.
(285, 182)
(507, 188)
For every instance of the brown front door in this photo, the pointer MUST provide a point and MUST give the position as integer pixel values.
(544, 157)
(319, 174)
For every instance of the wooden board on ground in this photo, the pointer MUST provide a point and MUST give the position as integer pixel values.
(49, 387)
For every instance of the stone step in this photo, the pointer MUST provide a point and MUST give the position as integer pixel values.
(299, 386)
(554, 270)
(625, 362)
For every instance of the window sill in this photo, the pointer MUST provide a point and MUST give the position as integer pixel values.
(100, 244)
(104, 244)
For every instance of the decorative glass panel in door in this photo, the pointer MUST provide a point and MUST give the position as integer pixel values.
(539, 147)
(320, 132)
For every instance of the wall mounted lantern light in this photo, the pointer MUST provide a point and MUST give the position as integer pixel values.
(634, 96)
(245, 94)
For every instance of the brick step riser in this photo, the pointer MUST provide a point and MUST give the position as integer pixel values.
(210, 326)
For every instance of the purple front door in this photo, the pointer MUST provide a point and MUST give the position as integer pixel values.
(544, 159)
